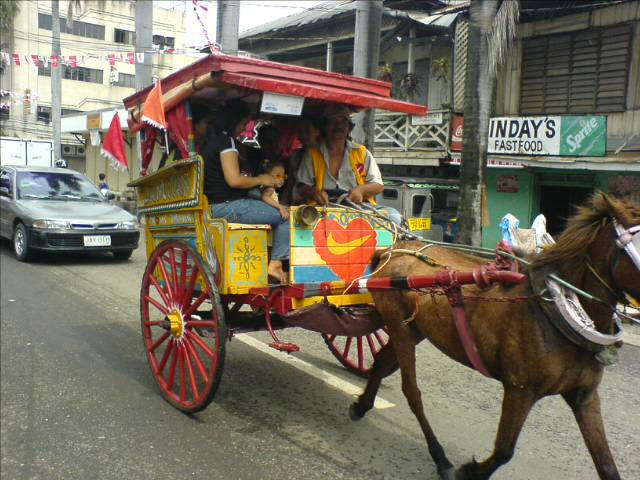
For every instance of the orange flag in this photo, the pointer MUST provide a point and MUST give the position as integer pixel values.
(153, 112)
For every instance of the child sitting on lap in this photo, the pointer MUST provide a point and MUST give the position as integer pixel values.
(268, 194)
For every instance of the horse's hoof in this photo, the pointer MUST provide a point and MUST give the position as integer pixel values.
(468, 471)
(354, 412)
(448, 474)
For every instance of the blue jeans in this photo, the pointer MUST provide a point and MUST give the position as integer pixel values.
(391, 213)
(248, 210)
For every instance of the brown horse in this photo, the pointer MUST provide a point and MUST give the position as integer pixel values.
(516, 342)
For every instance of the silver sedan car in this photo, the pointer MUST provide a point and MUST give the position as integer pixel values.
(58, 209)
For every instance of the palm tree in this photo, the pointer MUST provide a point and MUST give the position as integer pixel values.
(490, 36)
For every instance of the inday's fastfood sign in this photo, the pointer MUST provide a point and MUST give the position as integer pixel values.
(584, 136)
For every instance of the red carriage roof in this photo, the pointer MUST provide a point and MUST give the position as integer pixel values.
(263, 75)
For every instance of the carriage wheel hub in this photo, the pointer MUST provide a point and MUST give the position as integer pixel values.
(176, 326)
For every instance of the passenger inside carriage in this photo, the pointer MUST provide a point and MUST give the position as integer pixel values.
(338, 165)
(228, 180)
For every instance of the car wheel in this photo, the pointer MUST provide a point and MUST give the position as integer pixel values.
(21, 243)
(122, 254)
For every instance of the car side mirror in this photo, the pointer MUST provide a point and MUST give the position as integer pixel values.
(111, 196)
(4, 192)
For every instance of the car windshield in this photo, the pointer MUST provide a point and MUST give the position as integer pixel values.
(56, 186)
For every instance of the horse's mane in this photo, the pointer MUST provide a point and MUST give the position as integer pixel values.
(582, 230)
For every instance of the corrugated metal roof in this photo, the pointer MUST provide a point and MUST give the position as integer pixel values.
(321, 12)
(437, 20)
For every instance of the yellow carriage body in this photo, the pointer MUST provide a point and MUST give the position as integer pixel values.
(337, 247)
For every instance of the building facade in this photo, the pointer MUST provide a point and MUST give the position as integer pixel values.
(99, 29)
(579, 75)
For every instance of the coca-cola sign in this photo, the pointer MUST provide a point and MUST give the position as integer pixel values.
(457, 130)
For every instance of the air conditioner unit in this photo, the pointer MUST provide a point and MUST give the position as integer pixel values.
(69, 150)
(79, 150)
(114, 76)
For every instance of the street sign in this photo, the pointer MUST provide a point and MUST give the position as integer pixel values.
(584, 136)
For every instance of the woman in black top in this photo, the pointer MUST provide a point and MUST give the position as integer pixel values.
(227, 180)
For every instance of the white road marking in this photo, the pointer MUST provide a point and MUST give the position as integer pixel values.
(316, 372)
(631, 339)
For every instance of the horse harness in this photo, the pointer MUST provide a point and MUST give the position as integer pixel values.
(563, 310)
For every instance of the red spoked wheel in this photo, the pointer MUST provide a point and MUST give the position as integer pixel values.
(183, 327)
(356, 354)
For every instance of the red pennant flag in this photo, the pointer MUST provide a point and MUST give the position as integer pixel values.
(54, 60)
(16, 59)
(131, 58)
(113, 145)
(36, 60)
(73, 61)
(153, 112)
(112, 59)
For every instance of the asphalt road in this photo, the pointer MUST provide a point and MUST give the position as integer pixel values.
(78, 400)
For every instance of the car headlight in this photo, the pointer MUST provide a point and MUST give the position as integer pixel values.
(128, 225)
(52, 224)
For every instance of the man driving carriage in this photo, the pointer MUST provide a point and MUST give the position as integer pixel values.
(339, 165)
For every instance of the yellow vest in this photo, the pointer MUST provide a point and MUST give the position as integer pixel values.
(357, 158)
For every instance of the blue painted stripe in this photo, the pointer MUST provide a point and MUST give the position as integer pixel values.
(313, 274)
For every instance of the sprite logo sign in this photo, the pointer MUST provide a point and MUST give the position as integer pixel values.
(584, 136)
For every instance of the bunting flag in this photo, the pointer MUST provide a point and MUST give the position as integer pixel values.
(153, 112)
(140, 57)
(54, 61)
(131, 58)
(16, 59)
(36, 60)
(113, 145)
(112, 59)
(73, 61)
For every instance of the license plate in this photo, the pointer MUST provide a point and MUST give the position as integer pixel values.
(97, 240)
(419, 224)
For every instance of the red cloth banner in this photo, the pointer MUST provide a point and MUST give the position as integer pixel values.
(148, 142)
(179, 128)
(16, 59)
(153, 112)
(113, 145)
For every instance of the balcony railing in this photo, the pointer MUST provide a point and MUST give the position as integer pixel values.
(397, 131)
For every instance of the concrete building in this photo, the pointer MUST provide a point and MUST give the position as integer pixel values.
(98, 29)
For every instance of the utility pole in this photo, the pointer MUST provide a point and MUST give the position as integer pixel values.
(228, 24)
(144, 42)
(366, 52)
(56, 83)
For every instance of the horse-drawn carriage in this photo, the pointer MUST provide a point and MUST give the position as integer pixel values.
(206, 278)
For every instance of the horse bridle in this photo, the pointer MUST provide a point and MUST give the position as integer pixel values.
(629, 241)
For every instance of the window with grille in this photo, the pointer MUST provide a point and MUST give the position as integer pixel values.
(4, 112)
(82, 29)
(126, 80)
(578, 72)
(123, 36)
(81, 74)
(43, 114)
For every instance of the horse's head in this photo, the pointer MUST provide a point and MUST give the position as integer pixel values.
(624, 262)
(605, 234)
